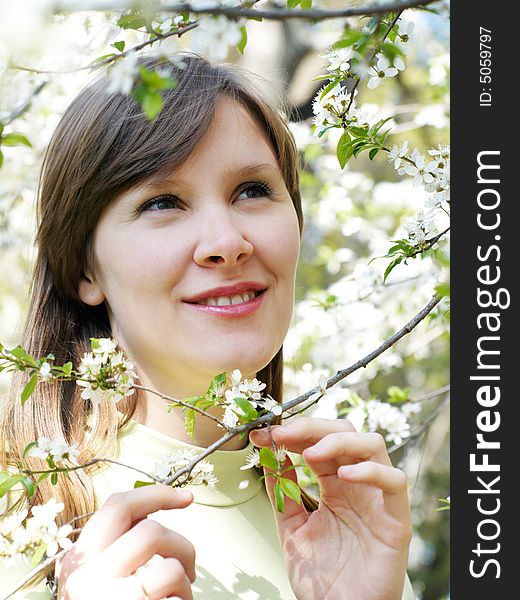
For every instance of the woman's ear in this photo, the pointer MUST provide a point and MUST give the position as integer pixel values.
(89, 291)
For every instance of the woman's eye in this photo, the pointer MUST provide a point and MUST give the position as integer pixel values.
(255, 190)
(160, 203)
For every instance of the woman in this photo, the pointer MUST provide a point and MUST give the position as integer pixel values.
(179, 238)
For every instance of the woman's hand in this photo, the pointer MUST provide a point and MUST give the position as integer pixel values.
(118, 539)
(355, 545)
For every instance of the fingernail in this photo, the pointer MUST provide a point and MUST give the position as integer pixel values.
(346, 471)
(184, 494)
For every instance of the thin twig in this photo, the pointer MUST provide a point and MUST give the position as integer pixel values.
(110, 59)
(376, 50)
(94, 461)
(26, 104)
(182, 403)
(420, 430)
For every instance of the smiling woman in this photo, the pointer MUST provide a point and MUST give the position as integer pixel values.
(173, 264)
(179, 238)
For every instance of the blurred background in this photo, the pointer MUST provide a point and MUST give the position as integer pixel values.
(343, 310)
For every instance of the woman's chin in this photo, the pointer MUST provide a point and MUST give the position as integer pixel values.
(248, 365)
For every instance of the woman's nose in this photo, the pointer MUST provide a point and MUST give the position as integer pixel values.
(222, 242)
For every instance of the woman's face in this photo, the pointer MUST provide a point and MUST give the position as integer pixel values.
(198, 271)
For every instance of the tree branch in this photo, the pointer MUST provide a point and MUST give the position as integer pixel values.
(274, 14)
(420, 430)
(25, 106)
(270, 417)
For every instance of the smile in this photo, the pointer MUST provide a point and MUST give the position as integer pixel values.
(229, 300)
(233, 305)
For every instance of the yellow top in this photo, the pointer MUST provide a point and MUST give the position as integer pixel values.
(231, 525)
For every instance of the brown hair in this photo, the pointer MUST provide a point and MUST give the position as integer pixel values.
(102, 147)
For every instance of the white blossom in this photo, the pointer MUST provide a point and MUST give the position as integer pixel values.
(322, 389)
(440, 152)
(45, 371)
(55, 449)
(396, 154)
(121, 74)
(215, 35)
(201, 474)
(339, 60)
(419, 169)
(105, 373)
(381, 69)
(420, 228)
(271, 405)
(405, 31)
(252, 460)
(230, 418)
(280, 453)
(22, 536)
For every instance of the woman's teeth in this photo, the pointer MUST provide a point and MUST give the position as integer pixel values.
(228, 300)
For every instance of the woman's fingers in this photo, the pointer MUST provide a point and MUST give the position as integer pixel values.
(122, 510)
(345, 448)
(301, 433)
(390, 480)
(137, 546)
(166, 579)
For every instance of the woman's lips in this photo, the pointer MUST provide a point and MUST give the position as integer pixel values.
(230, 310)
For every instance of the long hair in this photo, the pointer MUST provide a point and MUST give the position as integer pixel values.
(102, 147)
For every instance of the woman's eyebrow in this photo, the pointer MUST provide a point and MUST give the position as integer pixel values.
(251, 169)
(247, 170)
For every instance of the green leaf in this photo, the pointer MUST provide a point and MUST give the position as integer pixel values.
(29, 387)
(29, 485)
(17, 352)
(119, 45)
(243, 41)
(306, 4)
(38, 555)
(133, 20)
(138, 484)
(349, 37)
(1, 159)
(391, 266)
(27, 448)
(291, 489)
(9, 482)
(328, 87)
(358, 148)
(54, 478)
(292, 3)
(189, 422)
(375, 128)
(358, 131)
(344, 149)
(397, 395)
(152, 104)
(217, 384)
(443, 289)
(67, 368)
(15, 139)
(373, 153)
(104, 57)
(246, 407)
(268, 459)
(279, 497)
